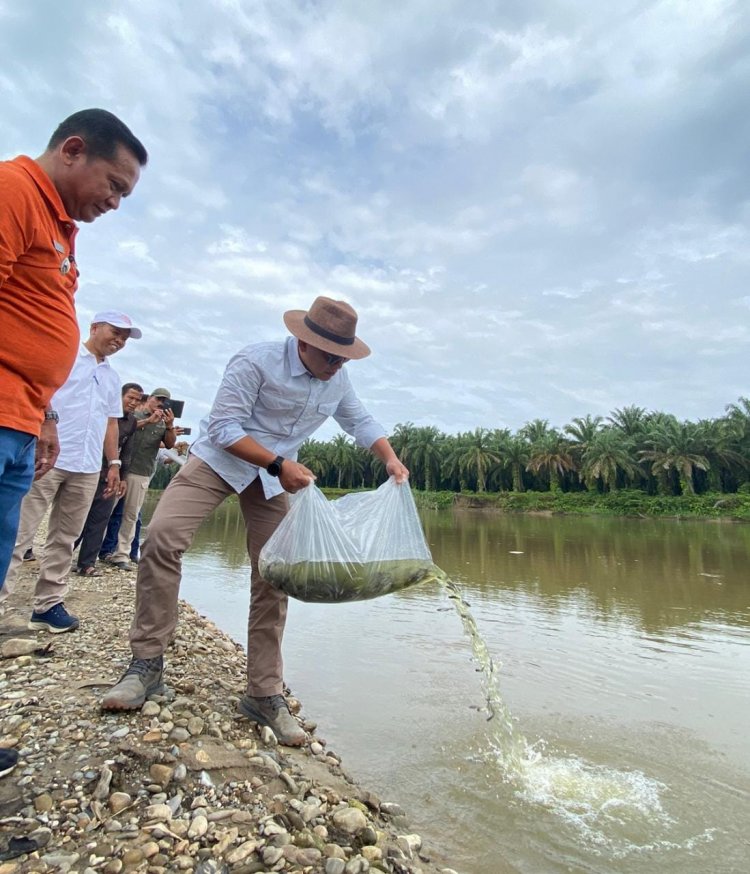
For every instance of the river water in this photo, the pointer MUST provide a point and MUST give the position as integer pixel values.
(622, 663)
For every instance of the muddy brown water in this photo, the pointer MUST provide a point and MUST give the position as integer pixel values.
(621, 651)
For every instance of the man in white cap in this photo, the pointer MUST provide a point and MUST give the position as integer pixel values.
(87, 408)
(272, 397)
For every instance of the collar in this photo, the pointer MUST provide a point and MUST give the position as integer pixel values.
(83, 351)
(296, 367)
(46, 187)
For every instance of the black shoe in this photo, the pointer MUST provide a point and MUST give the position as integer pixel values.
(8, 761)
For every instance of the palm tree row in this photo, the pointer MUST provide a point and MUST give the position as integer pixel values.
(631, 448)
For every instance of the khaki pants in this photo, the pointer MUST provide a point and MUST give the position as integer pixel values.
(194, 492)
(134, 498)
(70, 496)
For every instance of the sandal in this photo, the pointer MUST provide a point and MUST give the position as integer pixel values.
(89, 571)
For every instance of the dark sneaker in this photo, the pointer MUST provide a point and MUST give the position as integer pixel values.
(29, 555)
(8, 761)
(123, 565)
(273, 711)
(142, 679)
(56, 620)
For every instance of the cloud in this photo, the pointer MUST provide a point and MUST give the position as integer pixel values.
(539, 210)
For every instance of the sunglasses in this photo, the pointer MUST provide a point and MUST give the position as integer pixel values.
(332, 360)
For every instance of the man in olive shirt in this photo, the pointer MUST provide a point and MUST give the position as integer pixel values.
(154, 426)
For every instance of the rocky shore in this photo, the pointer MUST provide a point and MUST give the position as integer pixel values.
(184, 784)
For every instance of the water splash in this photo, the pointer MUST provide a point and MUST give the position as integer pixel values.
(613, 811)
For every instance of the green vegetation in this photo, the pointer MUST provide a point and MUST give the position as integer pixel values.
(632, 462)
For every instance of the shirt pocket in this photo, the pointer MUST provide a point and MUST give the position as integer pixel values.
(328, 408)
(272, 400)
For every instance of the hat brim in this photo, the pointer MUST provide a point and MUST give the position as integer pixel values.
(295, 322)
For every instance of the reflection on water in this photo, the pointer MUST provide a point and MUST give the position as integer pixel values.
(661, 573)
(622, 655)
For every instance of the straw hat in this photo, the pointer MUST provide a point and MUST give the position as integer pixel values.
(329, 325)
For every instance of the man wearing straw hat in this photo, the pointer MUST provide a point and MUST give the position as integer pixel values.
(272, 397)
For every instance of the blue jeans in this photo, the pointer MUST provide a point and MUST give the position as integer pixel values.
(109, 545)
(17, 451)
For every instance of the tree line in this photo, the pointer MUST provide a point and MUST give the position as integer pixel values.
(630, 449)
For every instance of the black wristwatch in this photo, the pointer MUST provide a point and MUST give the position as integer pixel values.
(274, 468)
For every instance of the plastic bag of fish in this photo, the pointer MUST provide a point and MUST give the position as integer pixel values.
(360, 546)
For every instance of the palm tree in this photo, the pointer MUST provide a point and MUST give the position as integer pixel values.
(475, 455)
(514, 454)
(401, 437)
(551, 456)
(315, 455)
(345, 459)
(630, 420)
(535, 430)
(582, 430)
(722, 451)
(422, 455)
(609, 452)
(678, 447)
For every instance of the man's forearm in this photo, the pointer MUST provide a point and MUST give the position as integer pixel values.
(250, 450)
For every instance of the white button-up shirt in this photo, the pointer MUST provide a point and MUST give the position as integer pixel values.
(84, 403)
(266, 393)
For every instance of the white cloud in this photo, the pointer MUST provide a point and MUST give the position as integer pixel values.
(538, 210)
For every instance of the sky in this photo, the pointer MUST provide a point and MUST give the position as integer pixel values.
(539, 208)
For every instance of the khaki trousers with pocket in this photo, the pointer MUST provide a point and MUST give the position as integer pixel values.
(70, 496)
(134, 499)
(193, 493)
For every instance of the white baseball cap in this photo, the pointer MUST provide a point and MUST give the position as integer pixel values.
(118, 320)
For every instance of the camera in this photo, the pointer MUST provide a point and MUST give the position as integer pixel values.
(187, 431)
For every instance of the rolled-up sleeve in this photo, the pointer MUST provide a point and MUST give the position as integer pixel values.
(353, 418)
(234, 402)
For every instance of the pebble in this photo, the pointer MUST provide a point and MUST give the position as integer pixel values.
(161, 774)
(350, 820)
(159, 813)
(18, 646)
(198, 827)
(239, 854)
(182, 784)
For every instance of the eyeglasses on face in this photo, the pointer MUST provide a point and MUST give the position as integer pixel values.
(332, 360)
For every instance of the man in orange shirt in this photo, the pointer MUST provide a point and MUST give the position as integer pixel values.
(91, 162)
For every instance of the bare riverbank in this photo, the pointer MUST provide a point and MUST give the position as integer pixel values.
(183, 784)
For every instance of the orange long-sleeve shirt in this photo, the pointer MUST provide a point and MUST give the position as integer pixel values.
(39, 333)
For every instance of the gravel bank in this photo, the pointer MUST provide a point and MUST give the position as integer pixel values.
(182, 785)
